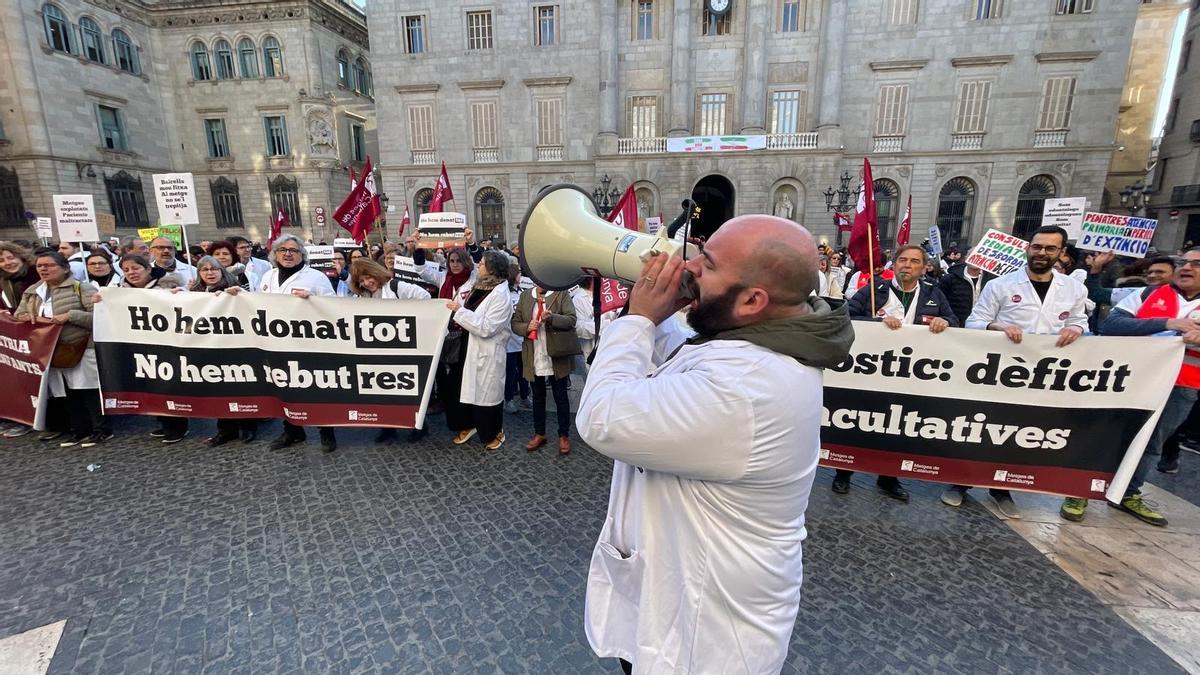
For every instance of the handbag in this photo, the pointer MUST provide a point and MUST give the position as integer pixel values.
(69, 354)
(452, 347)
(561, 343)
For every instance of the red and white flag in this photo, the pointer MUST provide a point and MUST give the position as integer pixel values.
(905, 225)
(405, 221)
(360, 209)
(281, 221)
(353, 178)
(441, 192)
(840, 222)
(612, 294)
(864, 235)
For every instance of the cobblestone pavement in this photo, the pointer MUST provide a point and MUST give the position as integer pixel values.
(433, 558)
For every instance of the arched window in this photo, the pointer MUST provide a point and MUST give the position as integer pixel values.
(272, 57)
(1030, 200)
(58, 33)
(956, 211)
(285, 195)
(887, 198)
(224, 56)
(201, 69)
(489, 214)
(93, 40)
(227, 202)
(126, 199)
(421, 203)
(360, 76)
(248, 55)
(127, 59)
(343, 61)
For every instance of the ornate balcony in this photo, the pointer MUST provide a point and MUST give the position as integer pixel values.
(888, 144)
(549, 153)
(966, 142)
(800, 141)
(424, 157)
(487, 155)
(1049, 139)
(641, 146)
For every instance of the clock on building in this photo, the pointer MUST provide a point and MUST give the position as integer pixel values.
(719, 7)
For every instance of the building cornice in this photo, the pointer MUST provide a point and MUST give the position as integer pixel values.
(481, 84)
(1062, 57)
(902, 64)
(533, 82)
(969, 61)
(424, 88)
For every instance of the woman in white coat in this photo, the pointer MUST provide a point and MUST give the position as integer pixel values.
(484, 314)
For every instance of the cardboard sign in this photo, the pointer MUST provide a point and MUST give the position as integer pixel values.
(1065, 213)
(44, 227)
(653, 224)
(935, 241)
(176, 197)
(998, 252)
(1124, 235)
(76, 217)
(405, 269)
(147, 234)
(342, 244)
(320, 257)
(442, 230)
(172, 232)
(106, 223)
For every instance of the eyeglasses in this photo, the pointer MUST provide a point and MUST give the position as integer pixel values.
(288, 251)
(162, 248)
(1189, 263)
(1037, 248)
(46, 267)
(99, 263)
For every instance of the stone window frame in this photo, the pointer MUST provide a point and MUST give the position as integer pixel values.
(802, 11)
(284, 193)
(63, 23)
(231, 70)
(269, 71)
(125, 50)
(802, 121)
(287, 148)
(892, 130)
(490, 11)
(494, 102)
(208, 145)
(221, 189)
(536, 23)
(984, 107)
(424, 32)
(635, 15)
(728, 105)
(630, 97)
(432, 135)
(121, 128)
(343, 68)
(89, 27)
(241, 58)
(201, 71)
(899, 14)
(1055, 119)
(986, 10)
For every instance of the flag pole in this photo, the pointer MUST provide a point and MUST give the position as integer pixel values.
(871, 265)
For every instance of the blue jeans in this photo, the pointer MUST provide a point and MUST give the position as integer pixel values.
(514, 382)
(1174, 414)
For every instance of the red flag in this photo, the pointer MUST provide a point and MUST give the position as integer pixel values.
(905, 225)
(367, 223)
(441, 192)
(277, 225)
(359, 210)
(864, 236)
(841, 223)
(353, 179)
(625, 214)
(405, 221)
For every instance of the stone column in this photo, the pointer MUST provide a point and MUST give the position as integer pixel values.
(754, 67)
(833, 27)
(610, 91)
(679, 121)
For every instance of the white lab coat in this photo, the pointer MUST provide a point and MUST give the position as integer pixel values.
(698, 565)
(488, 328)
(256, 269)
(184, 270)
(316, 283)
(78, 263)
(1010, 299)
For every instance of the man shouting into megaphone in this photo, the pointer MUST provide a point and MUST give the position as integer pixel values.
(715, 438)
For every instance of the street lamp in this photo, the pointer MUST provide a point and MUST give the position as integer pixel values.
(1134, 197)
(847, 199)
(606, 199)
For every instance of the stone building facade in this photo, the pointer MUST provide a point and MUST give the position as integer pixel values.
(266, 103)
(1176, 175)
(978, 109)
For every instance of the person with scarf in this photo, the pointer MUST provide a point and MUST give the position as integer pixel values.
(225, 252)
(475, 401)
(138, 272)
(100, 270)
(163, 251)
(17, 273)
(546, 320)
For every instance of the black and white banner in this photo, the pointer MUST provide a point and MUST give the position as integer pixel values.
(970, 407)
(314, 361)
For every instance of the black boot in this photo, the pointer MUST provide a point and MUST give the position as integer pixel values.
(287, 439)
(891, 487)
(385, 436)
(328, 440)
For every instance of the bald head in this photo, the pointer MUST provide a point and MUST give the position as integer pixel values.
(775, 254)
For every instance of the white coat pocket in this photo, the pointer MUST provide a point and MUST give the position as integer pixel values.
(611, 607)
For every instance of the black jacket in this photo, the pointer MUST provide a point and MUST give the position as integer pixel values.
(957, 289)
(931, 303)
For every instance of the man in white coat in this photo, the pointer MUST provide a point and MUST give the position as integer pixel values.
(698, 567)
(1034, 299)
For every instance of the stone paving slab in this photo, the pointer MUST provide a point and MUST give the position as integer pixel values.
(428, 557)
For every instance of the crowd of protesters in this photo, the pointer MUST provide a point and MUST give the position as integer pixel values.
(476, 382)
(508, 342)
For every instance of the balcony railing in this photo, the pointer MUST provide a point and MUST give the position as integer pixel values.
(966, 142)
(1049, 139)
(641, 146)
(549, 153)
(888, 144)
(487, 155)
(424, 157)
(801, 141)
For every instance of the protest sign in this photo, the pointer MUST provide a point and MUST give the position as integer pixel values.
(44, 227)
(25, 351)
(147, 234)
(404, 268)
(935, 241)
(172, 232)
(971, 408)
(176, 197)
(1123, 235)
(653, 223)
(315, 361)
(76, 217)
(445, 229)
(1065, 213)
(320, 257)
(998, 253)
(106, 224)
(345, 244)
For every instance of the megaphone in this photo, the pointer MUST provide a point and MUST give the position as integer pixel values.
(563, 239)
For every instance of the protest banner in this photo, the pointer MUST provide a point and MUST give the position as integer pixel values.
(320, 257)
(444, 229)
(698, 144)
(25, 351)
(1124, 235)
(1030, 416)
(404, 268)
(315, 361)
(998, 252)
(935, 241)
(76, 218)
(345, 244)
(176, 197)
(1065, 213)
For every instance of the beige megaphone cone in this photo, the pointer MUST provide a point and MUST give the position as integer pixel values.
(563, 239)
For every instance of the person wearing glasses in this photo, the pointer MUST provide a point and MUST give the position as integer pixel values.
(100, 270)
(163, 252)
(292, 274)
(1034, 299)
(256, 268)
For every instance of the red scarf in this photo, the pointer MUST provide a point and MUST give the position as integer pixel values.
(452, 283)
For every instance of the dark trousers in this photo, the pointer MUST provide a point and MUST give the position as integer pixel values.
(626, 666)
(79, 411)
(562, 404)
(514, 382)
(488, 420)
(449, 382)
(173, 425)
(228, 427)
(843, 473)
